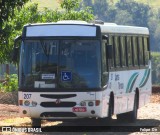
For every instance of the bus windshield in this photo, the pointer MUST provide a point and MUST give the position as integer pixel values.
(60, 64)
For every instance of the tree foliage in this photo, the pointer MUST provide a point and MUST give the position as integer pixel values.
(123, 14)
(7, 8)
(100, 8)
(30, 14)
(138, 11)
(155, 67)
(69, 5)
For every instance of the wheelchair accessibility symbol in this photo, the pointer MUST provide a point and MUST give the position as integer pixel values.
(66, 76)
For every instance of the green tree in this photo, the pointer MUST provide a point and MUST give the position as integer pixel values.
(155, 67)
(13, 27)
(7, 8)
(138, 11)
(74, 12)
(30, 14)
(69, 5)
(157, 37)
(100, 8)
(119, 18)
(87, 2)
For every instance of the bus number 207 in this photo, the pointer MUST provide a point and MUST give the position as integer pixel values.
(27, 96)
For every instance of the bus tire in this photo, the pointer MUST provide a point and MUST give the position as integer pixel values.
(122, 117)
(129, 116)
(132, 116)
(36, 122)
(110, 110)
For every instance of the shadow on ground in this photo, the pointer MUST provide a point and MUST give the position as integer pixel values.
(97, 126)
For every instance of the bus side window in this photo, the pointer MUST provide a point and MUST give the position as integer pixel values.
(129, 51)
(146, 51)
(117, 51)
(135, 50)
(123, 51)
(104, 66)
(141, 53)
(111, 61)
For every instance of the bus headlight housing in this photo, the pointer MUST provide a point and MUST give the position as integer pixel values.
(34, 104)
(83, 103)
(26, 103)
(90, 103)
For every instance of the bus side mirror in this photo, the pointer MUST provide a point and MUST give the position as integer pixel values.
(109, 51)
(15, 52)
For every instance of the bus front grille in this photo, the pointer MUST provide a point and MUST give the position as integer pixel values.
(61, 104)
(59, 96)
(58, 114)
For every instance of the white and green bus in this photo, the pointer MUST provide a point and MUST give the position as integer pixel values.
(74, 69)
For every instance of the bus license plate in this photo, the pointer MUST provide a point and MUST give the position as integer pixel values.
(79, 109)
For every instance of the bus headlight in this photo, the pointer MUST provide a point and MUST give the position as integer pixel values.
(83, 103)
(26, 103)
(34, 103)
(90, 103)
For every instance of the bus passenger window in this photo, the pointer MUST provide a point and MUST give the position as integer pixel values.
(111, 61)
(129, 51)
(135, 50)
(146, 52)
(117, 51)
(141, 54)
(123, 51)
(104, 66)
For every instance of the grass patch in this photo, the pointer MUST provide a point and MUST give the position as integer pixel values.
(155, 54)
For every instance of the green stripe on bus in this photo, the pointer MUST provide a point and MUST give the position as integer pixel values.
(131, 82)
(145, 78)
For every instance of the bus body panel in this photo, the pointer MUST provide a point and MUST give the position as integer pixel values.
(81, 97)
(124, 89)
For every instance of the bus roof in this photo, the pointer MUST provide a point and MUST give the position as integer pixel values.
(112, 28)
(121, 29)
(106, 28)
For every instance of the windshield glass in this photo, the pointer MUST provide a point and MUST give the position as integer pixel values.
(60, 64)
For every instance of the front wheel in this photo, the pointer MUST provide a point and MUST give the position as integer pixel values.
(36, 122)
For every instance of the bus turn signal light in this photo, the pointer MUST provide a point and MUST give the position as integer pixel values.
(20, 102)
(97, 102)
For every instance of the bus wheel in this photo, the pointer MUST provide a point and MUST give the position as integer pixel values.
(110, 110)
(122, 117)
(129, 116)
(132, 116)
(36, 122)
